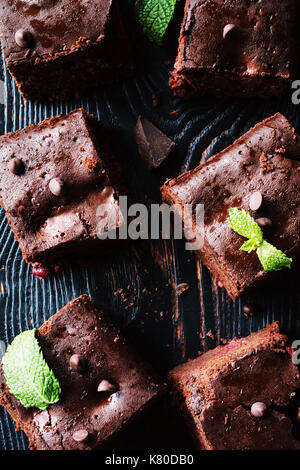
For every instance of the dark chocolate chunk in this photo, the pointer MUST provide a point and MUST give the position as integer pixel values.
(78, 363)
(230, 31)
(24, 38)
(106, 386)
(154, 146)
(255, 201)
(264, 222)
(16, 166)
(56, 186)
(81, 435)
(259, 410)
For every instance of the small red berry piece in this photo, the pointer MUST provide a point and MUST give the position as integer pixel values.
(41, 273)
(290, 350)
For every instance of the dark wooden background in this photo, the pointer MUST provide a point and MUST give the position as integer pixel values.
(166, 328)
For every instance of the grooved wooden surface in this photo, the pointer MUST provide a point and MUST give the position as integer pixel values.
(165, 327)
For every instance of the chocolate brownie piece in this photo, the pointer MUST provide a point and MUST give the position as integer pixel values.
(104, 383)
(58, 48)
(241, 396)
(53, 177)
(237, 47)
(264, 160)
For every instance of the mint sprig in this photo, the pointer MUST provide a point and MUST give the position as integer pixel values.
(270, 257)
(155, 16)
(27, 374)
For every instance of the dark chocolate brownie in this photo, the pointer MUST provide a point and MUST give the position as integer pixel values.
(104, 383)
(57, 48)
(237, 47)
(242, 396)
(53, 177)
(264, 160)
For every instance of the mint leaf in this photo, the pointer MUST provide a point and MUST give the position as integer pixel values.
(271, 258)
(27, 374)
(154, 17)
(243, 224)
(250, 245)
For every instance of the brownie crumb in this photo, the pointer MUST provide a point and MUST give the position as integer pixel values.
(210, 335)
(156, 99)
(181, 288)
(127, 298)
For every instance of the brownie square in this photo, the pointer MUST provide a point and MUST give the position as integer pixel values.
(264, 160)
(237, 47)
(53, 177)
(128, 385)
(63, 47)
(217, 391)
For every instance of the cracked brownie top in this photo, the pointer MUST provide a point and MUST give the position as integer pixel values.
(53, 176)
(243, 395)
(56, 26)
(235, 47)
(264, 160)
(104, 383)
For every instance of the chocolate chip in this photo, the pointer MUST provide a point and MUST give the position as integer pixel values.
(248, 310)
(106, 386)
(264, 222)
(230, 31)
(24, 38)
(81, 435)
(56, 186)
(259, 410)
(78, 363)
(255, 201)
(16, 166)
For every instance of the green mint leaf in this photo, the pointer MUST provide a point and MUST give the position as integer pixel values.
(155, 16)
(243, 224)
(27, 374)
(271, 258)
(250, 245)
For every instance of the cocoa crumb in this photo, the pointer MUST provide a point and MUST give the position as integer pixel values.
(181, 288)
(90, 164)
(280, 150)
(210, 335)
(127, 298)
(156, 99)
